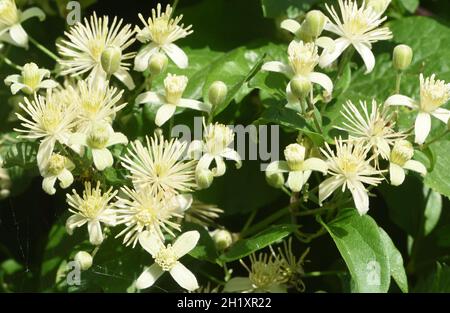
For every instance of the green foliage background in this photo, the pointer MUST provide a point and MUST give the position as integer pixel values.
(231, 40)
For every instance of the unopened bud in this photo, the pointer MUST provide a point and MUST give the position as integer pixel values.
(275, 179)
(217, 93)
(300, 87)
(314, 23)
(295, 155)
(84, 259)
(204, 178)
(158, 63)
(110, 59)
(402, 57)
(378, 6)
(222, 238)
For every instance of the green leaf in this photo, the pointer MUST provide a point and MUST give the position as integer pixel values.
(235, 69)
(22, 154)
(436, 281)
(410, 5)
(395, 261)
(433, 208)
(261, 240)
(205, 249)
(289, 118)
(361, 245)
(438, 179)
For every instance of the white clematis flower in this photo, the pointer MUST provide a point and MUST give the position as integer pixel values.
(166, 260)
(159, 166)
(11, 30)
(30, 80)
(59, 168)
(400, 160)
(298, 168)
(97, 48)
(99, 138)
(303, 58)
(359, 27)
(375, 128)
(349, 169)
(174, 86)
(48, 121)
(214, 147)
(140, 210)
(433, 94)
(161, 31)
(93, 208)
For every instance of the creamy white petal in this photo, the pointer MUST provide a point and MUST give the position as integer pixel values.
(323, 80)
(185, 243)
(32, 12)
(48, 84)
(195, 149)
(290, 25)
(182, 202)
(95, 233)
(150, 242)
(176, 55)
(415, 166)
(125, 77)
(220, 168)
(396, 174)
(236, 284)
(422, 127)
(326, 43)
(16, 87)
(48, 185)
(441, 114)
(15, 78)
(65, 178)
(367, 56)
(117, 138)
(19, 36)
(194, 104)
(295, 181)
(45, 152)
(78, 139)
(328, 186)
(316, 164)
(150, 97)
(204, 162)
(277, 167)
(401, 100)
(102, 158)
(149, 276)
(231, 154)
(142, 58)
(360, 196)
(184, 277)
(164, 113)
(278, 67)
(327, 58)
(73, 222)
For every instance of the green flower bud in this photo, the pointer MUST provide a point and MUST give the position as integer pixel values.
(300, 87)
(275, 180)
(84, 259)
(110, 59)
(314, 23)
(204, 178)
(217, 93)
(402, 57)
(222, 238)
(157, 63)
